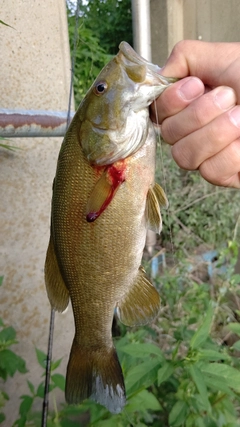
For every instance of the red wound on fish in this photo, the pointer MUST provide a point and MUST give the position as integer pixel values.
(105, 189)
(91, 216)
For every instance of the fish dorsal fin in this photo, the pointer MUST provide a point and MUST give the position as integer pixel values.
(155, 198)
(141, 304)
(105, 190)
(56, 289)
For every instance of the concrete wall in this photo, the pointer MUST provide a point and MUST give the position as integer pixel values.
(34, 74)
(208, 20)
(214, 20)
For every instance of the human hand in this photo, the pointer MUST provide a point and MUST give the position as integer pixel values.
(200, 114)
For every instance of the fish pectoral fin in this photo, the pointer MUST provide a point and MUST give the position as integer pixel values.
(160, 195)
(56, 289)
(95, 373)
(156, 197)
(105, 190)
(141, 303)
(153, 214)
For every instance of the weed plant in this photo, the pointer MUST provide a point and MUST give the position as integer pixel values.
(183, 370)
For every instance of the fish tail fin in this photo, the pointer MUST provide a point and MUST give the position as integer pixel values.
(96, 374)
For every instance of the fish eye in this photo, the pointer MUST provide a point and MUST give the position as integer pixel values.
(100, 88)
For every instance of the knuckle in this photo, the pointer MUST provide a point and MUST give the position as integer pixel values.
(234, 150)
(220, 168)
(168, 131)
(208, 172)
(198, 115)
(180, 47)
(183, 157)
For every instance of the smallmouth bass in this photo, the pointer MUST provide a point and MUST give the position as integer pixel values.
(104, 200)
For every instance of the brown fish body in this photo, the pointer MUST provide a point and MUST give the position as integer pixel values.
(97, 261)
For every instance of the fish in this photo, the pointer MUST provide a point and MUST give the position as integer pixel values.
(104, 200)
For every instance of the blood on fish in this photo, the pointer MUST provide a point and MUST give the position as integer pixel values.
(115, 174)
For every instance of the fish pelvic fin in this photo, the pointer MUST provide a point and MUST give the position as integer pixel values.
(57, 291)
(95, 374)
(156, 197)
(105, 190)
(141, 304)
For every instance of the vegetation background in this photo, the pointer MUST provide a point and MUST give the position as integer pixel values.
(183, 370)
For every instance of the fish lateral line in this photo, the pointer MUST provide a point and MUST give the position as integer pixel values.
(105, 190)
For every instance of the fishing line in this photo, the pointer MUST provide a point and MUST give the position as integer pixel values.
(159, 139)
(77, 14)
(52, 315)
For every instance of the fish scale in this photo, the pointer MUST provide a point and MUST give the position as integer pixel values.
(101, 210)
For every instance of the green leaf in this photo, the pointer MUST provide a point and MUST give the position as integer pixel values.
(202, 333)
(31, 387)
(111, 422)
(218, 384)
(141, 376)
(5, 395)
(1, 280)
(198, 379)
(59, 381)
(55, 365)
(212, 355)
(236, 345)
(143, 401)
(21, 422)
(41, 357)
(178, 414)
(8, 334)
(227, 374)
(235, 279)
(2, 417)
(10, 363)
(165, 372)
(234, 327)
(142, 350)
(25, 406)
(40, 390)
(9, 147)
(4, 23)
(69, 423)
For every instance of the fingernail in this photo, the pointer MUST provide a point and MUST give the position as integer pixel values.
(225, 98)
(234, 115)
(191, 89)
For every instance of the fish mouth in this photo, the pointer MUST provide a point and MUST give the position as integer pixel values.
(134, 58)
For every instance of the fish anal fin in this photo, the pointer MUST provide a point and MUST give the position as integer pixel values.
(105, 190)
(141, 304)
(97, 374)
(56, 289)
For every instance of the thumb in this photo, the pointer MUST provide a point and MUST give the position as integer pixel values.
(207, 61)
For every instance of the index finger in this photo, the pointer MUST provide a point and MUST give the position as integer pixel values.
(216, 64)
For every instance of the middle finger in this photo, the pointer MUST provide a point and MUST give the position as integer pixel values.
(197, 114)
(207, 141)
